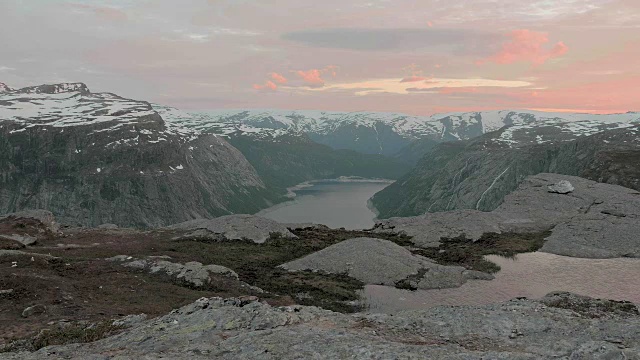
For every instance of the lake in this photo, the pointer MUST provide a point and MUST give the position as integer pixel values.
(335, 203)
(531, 275)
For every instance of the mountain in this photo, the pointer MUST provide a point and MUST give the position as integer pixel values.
(94, 158)
(284, 158)
(4, 88)
(391, 134)
(478, 173)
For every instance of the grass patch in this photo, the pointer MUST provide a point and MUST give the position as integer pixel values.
(63, 335)
(470, 254)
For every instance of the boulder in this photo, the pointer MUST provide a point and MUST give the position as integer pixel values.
(381, 262)
(238, 227)
(562, 187)
(193, 273)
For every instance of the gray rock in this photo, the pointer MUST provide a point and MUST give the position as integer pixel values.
(238, 227)
(6, 292)
(245, 329)
(562, 187)
(427, 230)
(25, 240)
(380, 262)
(130, 320)
(34, 310)
(193, 273)
(45, 217)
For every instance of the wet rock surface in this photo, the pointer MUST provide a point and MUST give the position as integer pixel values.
(236, 227)
(244, 328)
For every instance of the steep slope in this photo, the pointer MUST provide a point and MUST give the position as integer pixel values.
(383, 133)
(477, 174)
(99, 158)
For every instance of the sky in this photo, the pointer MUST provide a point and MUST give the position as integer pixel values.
(410, 56)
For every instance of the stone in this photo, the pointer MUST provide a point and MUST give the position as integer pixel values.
(238, 227)
(381, 262)
(562, 187)
(34, 310)
(193, 273)
(25, 240)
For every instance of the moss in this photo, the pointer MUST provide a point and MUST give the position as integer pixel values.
(63, 335)
(470, 254)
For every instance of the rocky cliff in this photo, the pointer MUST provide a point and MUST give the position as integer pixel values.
(94, 158)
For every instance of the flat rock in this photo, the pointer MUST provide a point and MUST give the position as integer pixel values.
(34, 310)
(247, 329)
(380, 262)
(427, 230)
(238, 227)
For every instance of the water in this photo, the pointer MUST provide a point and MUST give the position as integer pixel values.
(334, 203)
(530, 275)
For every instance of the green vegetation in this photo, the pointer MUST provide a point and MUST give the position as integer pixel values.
(470, 254)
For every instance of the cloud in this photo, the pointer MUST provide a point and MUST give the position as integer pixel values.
(313, 77)
(268, 86)
(278, 78)
(103, 12)
(431, 39)
(393, 86)
(413, 78)
(527, 46)
(6, 68)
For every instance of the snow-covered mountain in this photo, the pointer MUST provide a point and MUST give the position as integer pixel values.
(94, 158)
(389, 133)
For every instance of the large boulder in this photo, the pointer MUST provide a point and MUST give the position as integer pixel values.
(237, 227)
(381, 262)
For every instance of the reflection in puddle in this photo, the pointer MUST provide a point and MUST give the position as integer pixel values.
(528, 275)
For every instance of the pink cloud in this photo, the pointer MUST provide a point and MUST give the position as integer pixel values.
(413, 78)
(527, 46)
(429, 24)
(278, 78)
(313, 77)
(268, 86)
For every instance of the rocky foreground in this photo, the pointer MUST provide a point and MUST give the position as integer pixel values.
(561, 325)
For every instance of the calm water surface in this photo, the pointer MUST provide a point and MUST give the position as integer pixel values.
(532, 275)
(330, 202)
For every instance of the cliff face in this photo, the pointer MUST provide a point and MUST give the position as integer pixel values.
(99, 158)
(479, 173)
